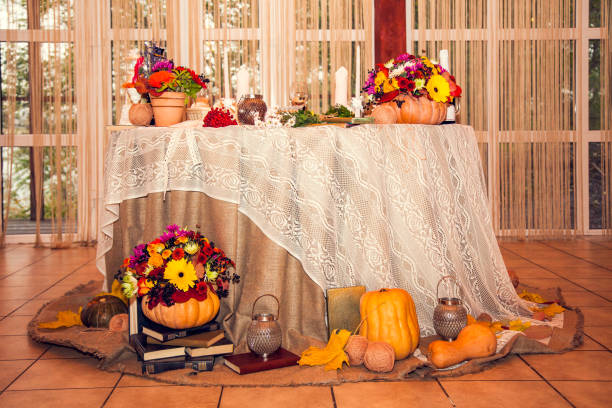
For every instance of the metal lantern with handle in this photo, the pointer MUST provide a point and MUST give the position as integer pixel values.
(264, 335)
(450, 315)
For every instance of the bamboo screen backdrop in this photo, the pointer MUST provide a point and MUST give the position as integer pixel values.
(519, 61)
(521, 64)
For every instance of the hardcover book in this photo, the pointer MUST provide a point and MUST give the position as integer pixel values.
(139, 323)
(223, 347)
(343, 307)
(205, 339)
(147, 352)
(205, 363)
(251, 363)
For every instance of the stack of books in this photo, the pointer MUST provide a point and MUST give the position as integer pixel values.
(161, 349)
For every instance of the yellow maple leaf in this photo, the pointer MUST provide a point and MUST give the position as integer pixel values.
(65, 318)
(531, 297)
(332, 355)
(553, 309)
(496, 327)
(518, 325)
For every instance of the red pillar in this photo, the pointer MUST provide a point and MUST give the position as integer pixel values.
(389, 29)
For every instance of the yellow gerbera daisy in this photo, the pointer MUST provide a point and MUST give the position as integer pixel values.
(438, 88)
(380, 78)
(181, 274)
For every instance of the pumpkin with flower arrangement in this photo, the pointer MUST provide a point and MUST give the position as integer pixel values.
(179, 278)
(410, 89)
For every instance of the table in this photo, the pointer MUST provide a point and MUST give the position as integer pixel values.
(304, 210)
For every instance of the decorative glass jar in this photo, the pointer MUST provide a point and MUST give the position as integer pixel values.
(249, 107)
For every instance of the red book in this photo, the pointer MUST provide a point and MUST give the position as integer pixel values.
(251, 363)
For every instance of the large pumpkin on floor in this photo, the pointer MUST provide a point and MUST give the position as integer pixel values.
(389, 315)
(191, 313)
(99, 311)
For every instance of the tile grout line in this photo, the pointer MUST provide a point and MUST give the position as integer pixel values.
(331, 388)
(446, 393)
(220, 396)
(26, 369)
(594, 242)
(111, 391)
(554, 273)
(546, 381)
(40, 293)
(25, 266)
(593, 339)
(575, 256)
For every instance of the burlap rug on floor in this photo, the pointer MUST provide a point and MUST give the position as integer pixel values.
(116, 355)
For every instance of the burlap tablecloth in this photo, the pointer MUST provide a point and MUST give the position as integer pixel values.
(263, 266)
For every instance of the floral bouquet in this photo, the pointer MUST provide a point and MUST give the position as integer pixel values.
(411, 75)
(178, 266)
(164, 76)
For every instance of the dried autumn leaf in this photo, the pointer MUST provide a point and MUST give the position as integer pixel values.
(531, 297)
(115, 291)
(518, 325)
(65, 318)
(332, 355)
(552, 310)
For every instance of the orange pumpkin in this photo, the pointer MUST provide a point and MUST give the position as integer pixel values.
(184, 315)
(386, 113)
(389, 315)
(421, 110)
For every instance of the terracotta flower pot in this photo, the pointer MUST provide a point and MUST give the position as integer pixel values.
(191, 313)
(168, 108)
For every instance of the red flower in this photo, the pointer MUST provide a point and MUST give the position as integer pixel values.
(201, 287)
(157, 79)
(178, 253)
(389, 96)
(381, 67)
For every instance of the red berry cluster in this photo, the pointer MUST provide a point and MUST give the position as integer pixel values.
(219, 117)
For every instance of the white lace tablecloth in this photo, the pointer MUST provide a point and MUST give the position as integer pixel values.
(380, 206)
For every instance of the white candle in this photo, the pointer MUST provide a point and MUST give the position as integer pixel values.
(444, 61)
(226, 76)
(341, 86)
(358, 72)
(242, 85)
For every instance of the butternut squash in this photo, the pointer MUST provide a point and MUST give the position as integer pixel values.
(474, 340)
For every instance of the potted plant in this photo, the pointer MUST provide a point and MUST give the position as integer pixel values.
(169, 88)
(179, 278)
(410, 89)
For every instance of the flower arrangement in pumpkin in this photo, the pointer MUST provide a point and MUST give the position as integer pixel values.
(177, 266)
(164, 76)
(411, 75)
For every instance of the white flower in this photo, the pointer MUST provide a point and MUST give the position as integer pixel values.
(129, 286)
(389, 63)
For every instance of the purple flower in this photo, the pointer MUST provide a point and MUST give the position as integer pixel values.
(166, 236)
(139, 250)
(167, 65)
(173, 228)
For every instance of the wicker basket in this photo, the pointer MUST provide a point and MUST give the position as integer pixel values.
(197, 112)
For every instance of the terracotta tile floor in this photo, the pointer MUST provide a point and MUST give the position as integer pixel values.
(39, 375)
